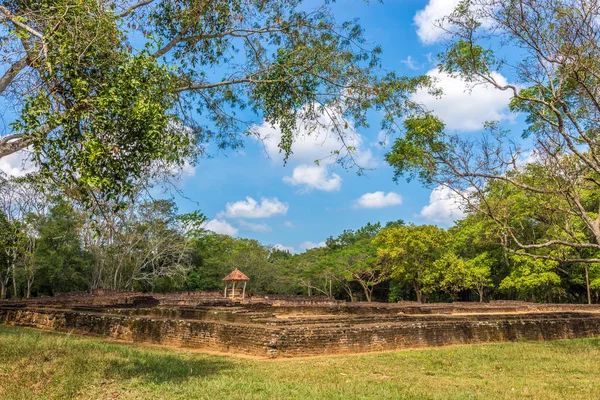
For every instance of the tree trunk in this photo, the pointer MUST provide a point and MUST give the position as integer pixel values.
(418, 291)
(14, 281)
(2, 291)
(349, 291)
(115, 278)
(29, 283)
(480, 290)
(368, 293)
(587, 284)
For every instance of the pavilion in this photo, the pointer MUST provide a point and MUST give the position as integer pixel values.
(235, 276)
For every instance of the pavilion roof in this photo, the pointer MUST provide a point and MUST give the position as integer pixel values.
(236, 275)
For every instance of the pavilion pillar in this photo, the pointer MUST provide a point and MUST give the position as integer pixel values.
(225, 293)
(244, 291)
(233, 291)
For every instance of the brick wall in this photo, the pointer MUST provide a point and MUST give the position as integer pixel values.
(272, 331)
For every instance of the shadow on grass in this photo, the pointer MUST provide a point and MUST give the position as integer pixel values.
(163, 368)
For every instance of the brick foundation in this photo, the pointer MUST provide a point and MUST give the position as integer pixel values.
(281, 327)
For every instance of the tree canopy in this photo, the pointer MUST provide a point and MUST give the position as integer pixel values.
(106, 92)
(542, 198)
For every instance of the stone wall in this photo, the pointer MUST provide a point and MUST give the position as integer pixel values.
(289, 327)
(211, 335)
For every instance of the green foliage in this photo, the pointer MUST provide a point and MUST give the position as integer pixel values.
(532, 278)
(215, 256)
(122, 89)
(467, 59)
(62, 264)
(349, 261)
(413, 154)
(410, 253)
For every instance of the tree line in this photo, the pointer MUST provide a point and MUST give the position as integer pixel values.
(100, 116)
(51, 244)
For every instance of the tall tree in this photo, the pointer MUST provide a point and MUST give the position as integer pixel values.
(136, 245)
(556, 85)
(411, 252)
(63, 265)
(532, 279)
(107, 90)
(354, 257)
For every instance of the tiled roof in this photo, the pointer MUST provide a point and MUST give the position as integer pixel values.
(236, 275)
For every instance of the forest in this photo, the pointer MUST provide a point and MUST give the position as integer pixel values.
(51, 244)
(105, 96)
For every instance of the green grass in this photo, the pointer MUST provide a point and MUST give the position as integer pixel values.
(40, 365)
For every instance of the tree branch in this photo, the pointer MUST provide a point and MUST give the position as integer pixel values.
(202, 86)
(11, 73)
(12, 143)
(134, 7)
(20, 24)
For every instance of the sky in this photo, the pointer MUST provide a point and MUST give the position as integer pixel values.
(251, 193)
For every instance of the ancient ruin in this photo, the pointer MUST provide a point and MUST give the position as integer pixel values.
(290, 326)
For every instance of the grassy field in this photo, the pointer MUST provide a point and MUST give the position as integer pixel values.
(39, 365)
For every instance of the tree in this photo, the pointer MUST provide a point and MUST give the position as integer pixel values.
(479, 272)
(355, 255)
(595, 280)
(475, 240)
(410, 252)
(63, 265)
(108, 90)
(312, 270)
(553, 182)
(133, 247)
(215, 256)
(532, 278)
(457, 274)
(9, 241)
(21, 201)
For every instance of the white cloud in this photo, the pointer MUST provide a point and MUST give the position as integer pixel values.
(188, 169)
(255, 227)
(431, 26)
(311, 245)
(445, 206)
(411, 63)
(383, 140)
(314, 177)
(527, 157)
(289, 224)
(17, 164)
(220, 226)
(284, 248)
(429, 19)
(318, 140)
(430, 58)
(463, 109)
(251, 208)
(378, 200)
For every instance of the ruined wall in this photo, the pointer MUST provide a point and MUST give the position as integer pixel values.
(271, 331)
(314, 340)
(212, 335)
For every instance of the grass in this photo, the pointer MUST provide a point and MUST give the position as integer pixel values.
(44, 365)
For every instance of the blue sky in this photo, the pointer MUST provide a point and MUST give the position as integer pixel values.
(250, 193)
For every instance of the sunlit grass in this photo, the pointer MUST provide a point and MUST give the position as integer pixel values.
(40, 365)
